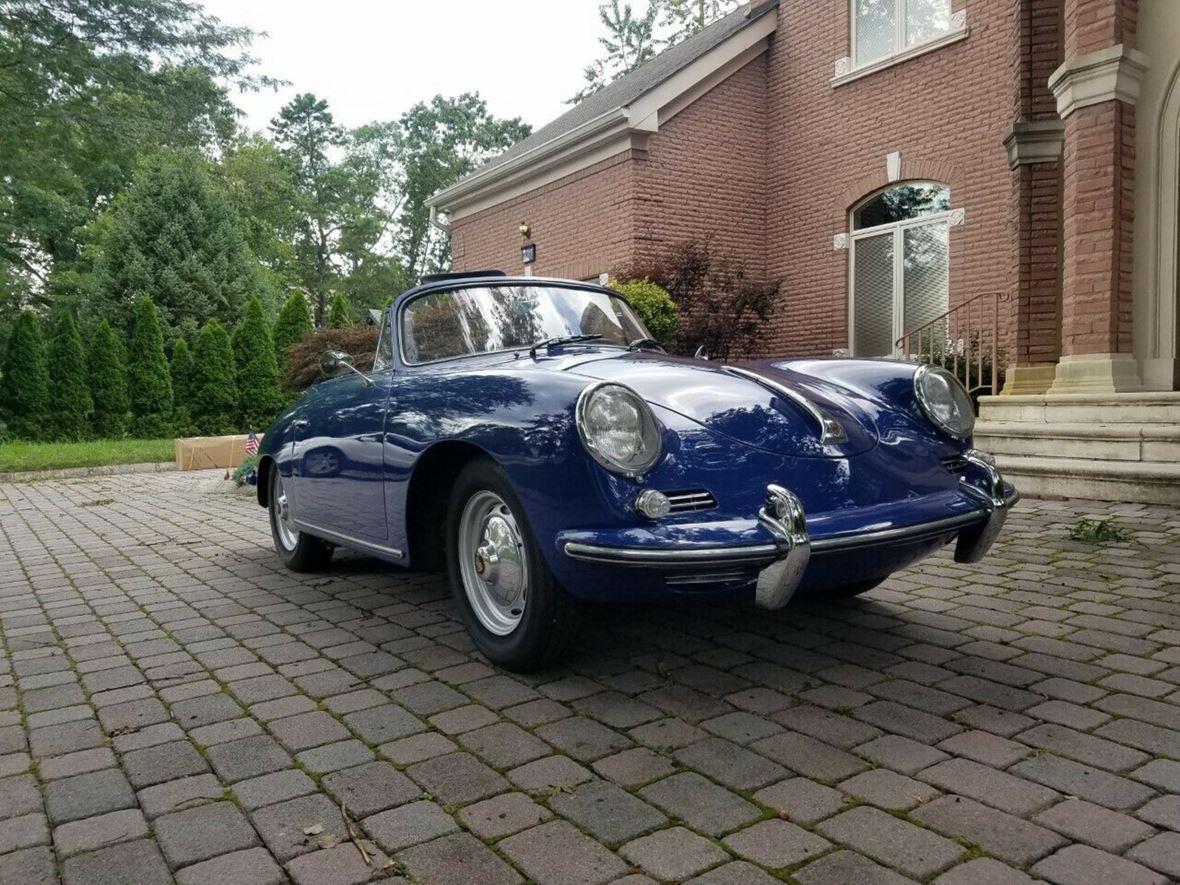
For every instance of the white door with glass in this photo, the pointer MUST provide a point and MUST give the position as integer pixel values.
(900, 265)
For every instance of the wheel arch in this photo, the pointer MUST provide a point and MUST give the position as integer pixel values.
(429, 494)
(265, 465)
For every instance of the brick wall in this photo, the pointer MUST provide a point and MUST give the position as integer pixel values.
(946, 112)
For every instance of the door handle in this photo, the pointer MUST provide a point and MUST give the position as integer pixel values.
(301, 424)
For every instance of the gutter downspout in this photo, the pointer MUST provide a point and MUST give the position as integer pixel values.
(435, 223)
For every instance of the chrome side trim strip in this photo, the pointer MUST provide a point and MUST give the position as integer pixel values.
(830, 430)
(347, 540)
(665, 557)
(906, 532)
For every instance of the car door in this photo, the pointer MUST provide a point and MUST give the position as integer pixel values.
(338, 461)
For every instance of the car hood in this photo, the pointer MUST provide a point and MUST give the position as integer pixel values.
(747, 409)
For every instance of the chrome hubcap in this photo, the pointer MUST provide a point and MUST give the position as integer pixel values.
(492, 562)
(287, 534)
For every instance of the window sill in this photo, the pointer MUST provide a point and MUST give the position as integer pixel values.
(898, 57)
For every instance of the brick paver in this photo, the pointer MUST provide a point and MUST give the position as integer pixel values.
(174, 705)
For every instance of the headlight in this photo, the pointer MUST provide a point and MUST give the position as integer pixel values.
(618, 428)
(945, 401)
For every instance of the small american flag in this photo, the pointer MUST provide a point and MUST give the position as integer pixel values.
(252, 443)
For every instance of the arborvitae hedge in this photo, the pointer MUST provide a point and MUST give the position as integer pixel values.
(24, 387)
(108, 382)
(292, 326)
(339, 313)
(215, 392)
(182, 387)
(259, 398)
(149, 380)
(69, 403)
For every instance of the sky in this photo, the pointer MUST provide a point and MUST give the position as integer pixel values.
(373, 59)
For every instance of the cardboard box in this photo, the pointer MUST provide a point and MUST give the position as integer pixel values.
(206, 452)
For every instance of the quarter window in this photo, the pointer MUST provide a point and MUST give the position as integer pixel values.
(384, 356)
(882, 28)
(900, 264)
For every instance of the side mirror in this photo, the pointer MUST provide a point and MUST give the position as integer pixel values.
(701, 354)
(333, 362)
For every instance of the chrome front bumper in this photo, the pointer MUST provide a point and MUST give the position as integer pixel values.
(781, 565)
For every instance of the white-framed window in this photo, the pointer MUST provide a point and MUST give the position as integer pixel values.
(883, 28)
(899, 264)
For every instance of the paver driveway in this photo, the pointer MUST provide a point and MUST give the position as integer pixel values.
(174, 704)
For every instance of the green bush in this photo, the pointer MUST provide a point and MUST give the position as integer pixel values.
(259, 398)
(149, 381)
(339, 313)
(24, 386)
(182, 387)
(654, 306)
(108, 382)
(70, 404)
(215, 392)
(293, 325)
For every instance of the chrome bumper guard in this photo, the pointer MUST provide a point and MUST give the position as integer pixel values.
(982, 480)
(782, 515)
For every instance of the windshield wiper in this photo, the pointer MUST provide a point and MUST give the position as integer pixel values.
(562, 339)
(645, 344)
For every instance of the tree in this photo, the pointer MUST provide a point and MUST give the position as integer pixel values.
(339, 314)
(87, 85)
(259, 398)
(70, 405)
(292, 326)
(654, 306)
(174, 236)
(149, 380)
(439, 143)
(24, 385)
(182, 386)
(683, 18)
(107, 366)
(215, 392)
(629, 41)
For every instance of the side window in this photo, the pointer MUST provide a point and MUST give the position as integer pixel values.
(887, 27)
(384, 356)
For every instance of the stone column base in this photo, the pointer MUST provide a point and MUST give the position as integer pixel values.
(1097, 373)
(1161, 373)
(1031, 378)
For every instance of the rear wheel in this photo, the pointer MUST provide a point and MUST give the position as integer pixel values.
(513, 607)
(299, 551)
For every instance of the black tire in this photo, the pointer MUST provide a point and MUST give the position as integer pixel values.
(550, 617)
(307, 554)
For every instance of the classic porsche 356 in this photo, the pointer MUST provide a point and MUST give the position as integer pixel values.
(530, 436)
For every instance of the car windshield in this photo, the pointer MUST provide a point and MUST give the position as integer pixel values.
(486, 319)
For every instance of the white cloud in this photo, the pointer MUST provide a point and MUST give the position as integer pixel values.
(371, 60)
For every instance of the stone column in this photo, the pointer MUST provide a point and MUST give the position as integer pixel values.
(1096, 89)
(1034, 155)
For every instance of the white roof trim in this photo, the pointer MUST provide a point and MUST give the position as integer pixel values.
(611, 133)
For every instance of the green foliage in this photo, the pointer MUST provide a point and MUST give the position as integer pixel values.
(292, 326)
(215, 390)
(1097, 531)
(24, 385)
(107, 365)
(18, 455)
(173, 236)
(339, 313)
(149, 381)
(182, 387)
(249, 463)
(87, 86)
(654, 306)
(259, 397)
(630, 40)
(70, 404)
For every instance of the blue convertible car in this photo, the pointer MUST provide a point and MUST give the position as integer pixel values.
(530, 436)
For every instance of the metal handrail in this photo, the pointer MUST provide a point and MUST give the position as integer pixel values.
(968, 333)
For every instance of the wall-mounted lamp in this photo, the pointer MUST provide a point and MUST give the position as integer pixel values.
(525, 230)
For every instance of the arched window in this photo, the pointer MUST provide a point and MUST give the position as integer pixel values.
(900, 264)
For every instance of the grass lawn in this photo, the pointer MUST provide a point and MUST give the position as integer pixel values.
(54, 456)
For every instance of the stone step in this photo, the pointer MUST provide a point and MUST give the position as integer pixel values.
(1158, 443)
(1122, 408)
(1100, 480)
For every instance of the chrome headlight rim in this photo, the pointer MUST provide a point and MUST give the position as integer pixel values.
(646, 416)
(921, 393)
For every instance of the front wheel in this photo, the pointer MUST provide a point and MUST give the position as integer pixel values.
(299, 551)
(513, 607)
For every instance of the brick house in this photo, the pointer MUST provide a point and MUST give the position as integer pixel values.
(888, 161)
